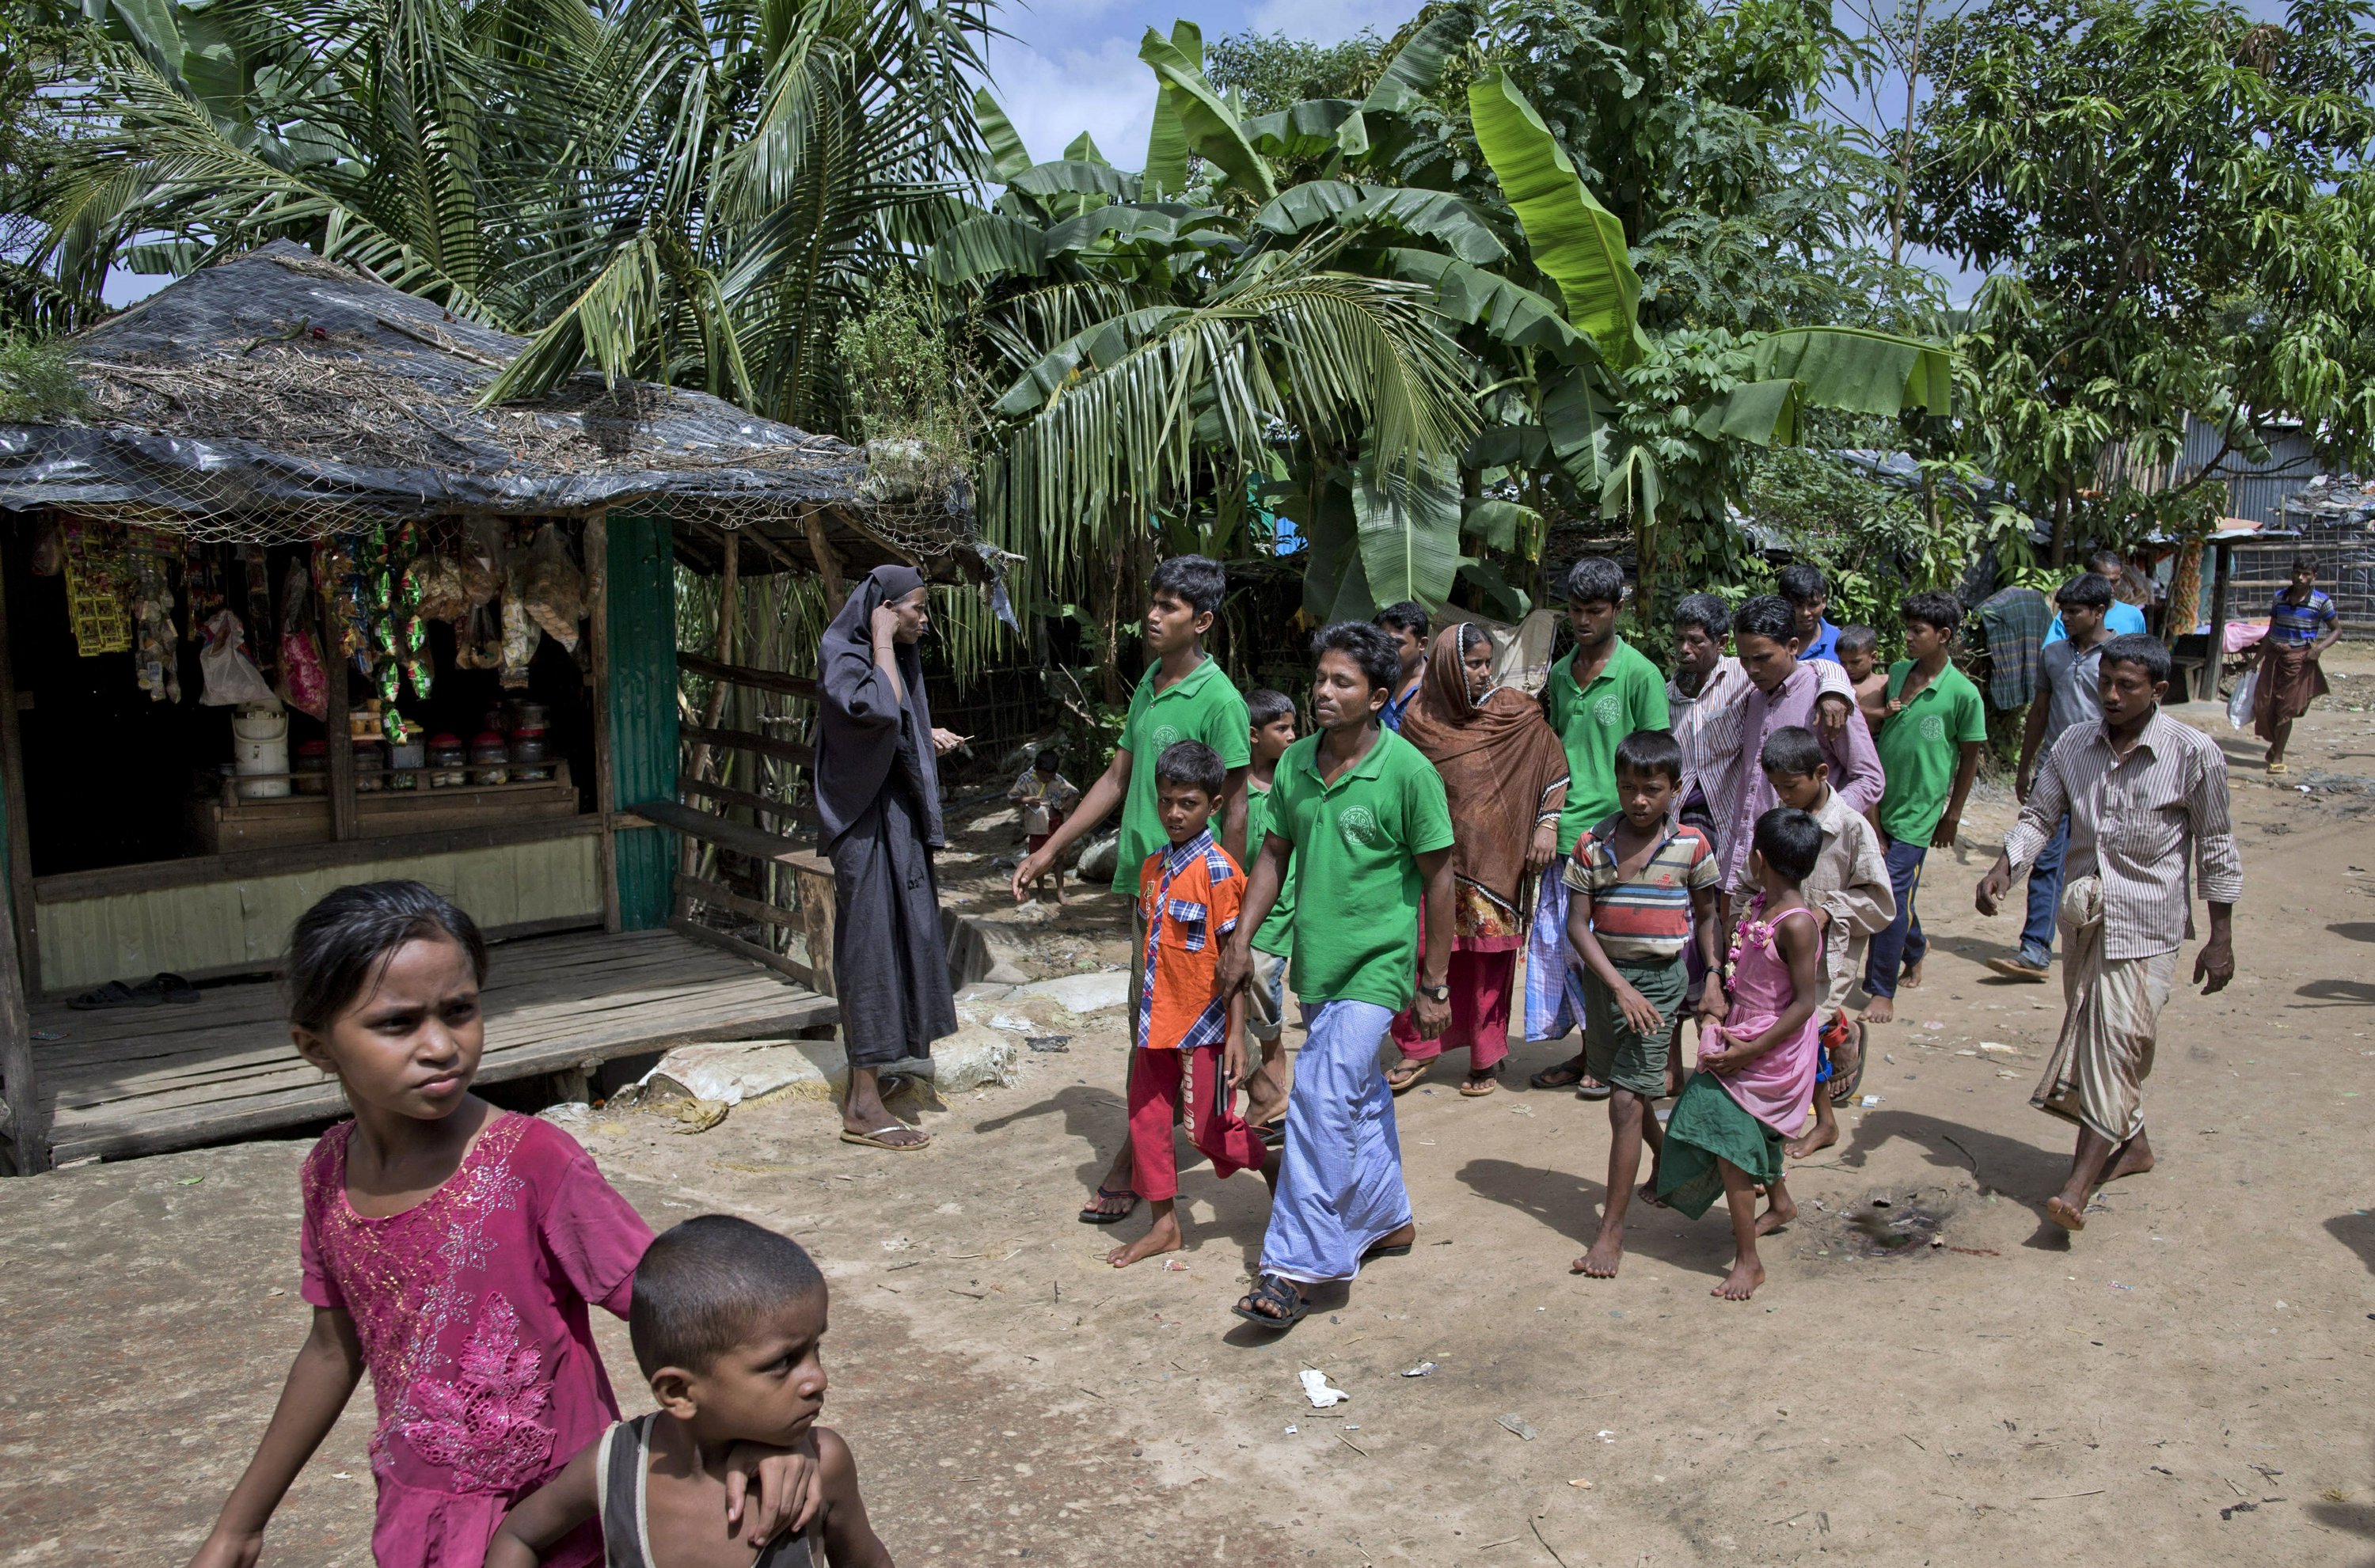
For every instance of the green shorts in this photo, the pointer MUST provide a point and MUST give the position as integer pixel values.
(1612, 1051)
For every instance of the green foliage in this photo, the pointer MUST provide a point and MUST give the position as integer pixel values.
(36, 383)
(1269, 72)
(900, 384)
(694, 193)
(2172, 202)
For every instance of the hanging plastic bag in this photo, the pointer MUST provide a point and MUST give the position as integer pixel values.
(230, 676)
(302, 685)
(2240, 706)
(553, 588)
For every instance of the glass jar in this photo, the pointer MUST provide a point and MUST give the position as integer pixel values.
(531, 763)
(490, 759)
(447, 758)
(370, 760)
(312, 767)
(404, 763)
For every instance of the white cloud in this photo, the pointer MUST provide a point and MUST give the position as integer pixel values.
(1054, 94)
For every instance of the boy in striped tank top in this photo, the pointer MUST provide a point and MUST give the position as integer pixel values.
(1639, 892)
(726, 1320)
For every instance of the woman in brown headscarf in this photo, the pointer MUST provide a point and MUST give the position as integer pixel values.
(1505, 774)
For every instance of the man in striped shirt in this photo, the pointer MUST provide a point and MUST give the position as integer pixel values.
(2146, 798)
(1706, 702)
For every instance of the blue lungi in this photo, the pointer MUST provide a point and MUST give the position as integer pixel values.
(1340, 1184)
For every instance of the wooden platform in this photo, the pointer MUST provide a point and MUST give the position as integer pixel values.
(140, 1080)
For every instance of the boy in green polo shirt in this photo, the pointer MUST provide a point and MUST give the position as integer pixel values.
(1929, 753)
(1597, 698)
(1184, 695)
(1362, 812)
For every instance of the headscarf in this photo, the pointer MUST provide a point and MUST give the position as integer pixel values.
(1499, 761)
(864, 733)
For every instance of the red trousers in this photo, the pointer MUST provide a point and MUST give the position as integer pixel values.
(1213, 1126)
(1479, 1011)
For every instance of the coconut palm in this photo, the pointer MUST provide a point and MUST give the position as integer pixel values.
(694, 193)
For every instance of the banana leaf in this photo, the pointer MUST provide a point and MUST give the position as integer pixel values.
(1008, 156)
(1408, 516)
(1764, 412)
(1417, 66)
(1166, 140)
(1212, 127)
(1859, 369)
(1429, 214)
(1577, 242)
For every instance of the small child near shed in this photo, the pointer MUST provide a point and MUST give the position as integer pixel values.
(1045, 798)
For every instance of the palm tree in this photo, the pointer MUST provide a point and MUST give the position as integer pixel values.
(690, 193)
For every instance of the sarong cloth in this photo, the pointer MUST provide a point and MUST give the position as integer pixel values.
(1339, 1187)
(2290, 680)
(2096, 1074)
(1708, 1125)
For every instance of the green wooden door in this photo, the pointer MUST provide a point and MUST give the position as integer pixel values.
(642, 564)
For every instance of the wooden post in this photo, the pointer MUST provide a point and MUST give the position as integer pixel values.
(28, 943)
(828, 561)
(606, 779)
(343, 817)
(729, 620)
(2216, 659)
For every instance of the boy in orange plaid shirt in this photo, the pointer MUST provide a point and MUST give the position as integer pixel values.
(1188, 1039)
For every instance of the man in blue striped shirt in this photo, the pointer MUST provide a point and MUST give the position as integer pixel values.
(2301, 625)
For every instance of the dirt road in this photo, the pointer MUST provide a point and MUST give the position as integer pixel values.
(2187, 1382)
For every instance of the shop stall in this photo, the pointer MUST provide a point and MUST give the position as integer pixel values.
(281, 607)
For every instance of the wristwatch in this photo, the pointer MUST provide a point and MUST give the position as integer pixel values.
(1435, 993)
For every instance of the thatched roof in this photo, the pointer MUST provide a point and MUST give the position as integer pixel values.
(277, 395)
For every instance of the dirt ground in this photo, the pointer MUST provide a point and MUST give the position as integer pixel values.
(2186, 1382)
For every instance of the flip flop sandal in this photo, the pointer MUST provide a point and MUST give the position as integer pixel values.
(1565, 1075)
(173, 988)
(1409, 1078)
(876, 1140)
(1399, 1249)
(1279, 1292)
(1479, 1091)
(1273, 1134)
(1091, 1215)
(115, 994)
(1592, 1088)
(2276, 770)
(1843, 1093)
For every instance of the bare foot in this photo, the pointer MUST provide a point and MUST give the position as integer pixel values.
(1607, 1251)
(1649, 1193)
(1778, 1212)
(1879, 1009)
(1822, 1135)
(1746, 1274)
(1162, 1237)
(2132, 1158)
(2064, 1213)
(1912, 979)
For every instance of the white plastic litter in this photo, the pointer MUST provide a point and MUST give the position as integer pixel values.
(1316, 1390)
(1519, 1425)
(1869, 1100)
(1421, 1370)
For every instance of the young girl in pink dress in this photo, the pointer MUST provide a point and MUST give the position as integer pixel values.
(1750, 1092)
(449, 1247)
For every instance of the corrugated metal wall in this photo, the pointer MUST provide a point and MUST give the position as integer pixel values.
(642, 565)
(2256, 490)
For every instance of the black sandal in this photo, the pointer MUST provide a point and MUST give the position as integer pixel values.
(1273, 1134)
(1565, 1075)
(1278, 1292)
(1091, 1215)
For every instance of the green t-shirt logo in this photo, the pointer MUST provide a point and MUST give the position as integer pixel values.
(1164, 738)
(1934, 727)
(1359, 827)
(1609, 710)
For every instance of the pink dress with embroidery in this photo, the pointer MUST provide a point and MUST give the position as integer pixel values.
(471, 1310)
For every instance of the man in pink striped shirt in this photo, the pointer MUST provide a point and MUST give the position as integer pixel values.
(1784, 691)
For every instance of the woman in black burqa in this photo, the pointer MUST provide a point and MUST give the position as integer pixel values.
(878, 793)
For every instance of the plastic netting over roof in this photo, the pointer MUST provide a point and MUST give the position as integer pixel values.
(276, 396)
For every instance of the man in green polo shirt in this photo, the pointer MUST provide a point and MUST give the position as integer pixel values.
(1928, 749)
(1597, 698)
(1362, 812)
(1184, 695)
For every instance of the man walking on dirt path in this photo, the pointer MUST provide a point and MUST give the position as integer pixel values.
(2146, 796)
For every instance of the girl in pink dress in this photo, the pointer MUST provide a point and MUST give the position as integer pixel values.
(449, 1247)
(1750, 1092)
